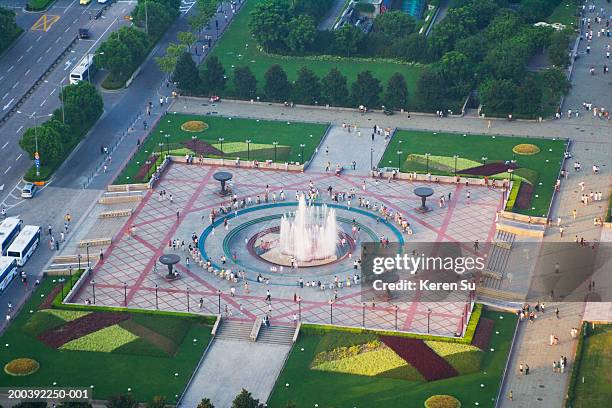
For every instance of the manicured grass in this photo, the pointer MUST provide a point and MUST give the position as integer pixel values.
(547, 163)
(595, 369)
(104, 340)
(235, 131)
(308, 387)
(232, 50)
(109, 373)
(564, 13)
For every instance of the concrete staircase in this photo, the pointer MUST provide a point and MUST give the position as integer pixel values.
(276, 335)
(232, 330)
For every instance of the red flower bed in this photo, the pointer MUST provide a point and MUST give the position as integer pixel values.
(202, 148)
(142, 171)
(416, 353)
(80, 327)
(523, 199)
(489, 169)
(483, 333)
(47, 302)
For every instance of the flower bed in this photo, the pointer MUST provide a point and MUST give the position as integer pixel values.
(194, 126)
(144, 168)
(47, 303)
(105, 340)
(526, 149)
(416, 353)
(524, 197)
(442, 401)
(488, 169)
(80, 327)
(20, 367)
(484, 330)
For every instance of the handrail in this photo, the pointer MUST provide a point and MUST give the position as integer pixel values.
(216, 325)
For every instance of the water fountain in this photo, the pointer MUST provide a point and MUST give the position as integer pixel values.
(311, 234)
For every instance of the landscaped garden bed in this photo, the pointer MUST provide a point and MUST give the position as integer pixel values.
(480, 156)
(340, 368)
(149, 353)
(235, 133)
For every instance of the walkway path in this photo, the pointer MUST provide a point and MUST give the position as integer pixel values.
(341, 147)
(231, 365)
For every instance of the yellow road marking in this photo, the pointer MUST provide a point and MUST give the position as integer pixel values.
(45, 22)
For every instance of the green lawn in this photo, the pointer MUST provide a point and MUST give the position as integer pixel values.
(309, 387)
(235, 132)
(564, 13)
(110, 373)
(595, 369)
(546, 163)
(238, 48)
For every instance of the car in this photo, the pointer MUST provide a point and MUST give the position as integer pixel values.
(103, 1)
(84, 33)
(28, 190)
(84, 2)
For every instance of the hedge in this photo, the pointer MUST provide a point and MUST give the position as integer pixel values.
(319, 329)
(571, 390)
(516, 184)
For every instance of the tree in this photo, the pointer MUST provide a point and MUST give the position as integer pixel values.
(157, 17)
(122, 401)
(135, 40)
(268, 23)
(394, 24)
(529, 98)
(49, 144)
(245, 83)
(205, 403)
(167, 63)
(212, 75)
(114, 56)
(396, 95)
(558, 50)
(348, 39)
(431, 91)
(74, 404)
(157, 402)
(186, 73)
(412, 48)
(498, 96)
(307, 87)
(206, 9)
(9, 30)
(276, 88)
(366, 90)
(334, 90)
(246, 400)
(85, 97)
(456, 67)
(301, 33)
(554, 81)
(187, 38)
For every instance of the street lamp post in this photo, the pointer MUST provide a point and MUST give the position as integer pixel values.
(79, 256)
(427, 158)
(396, 307)
(156, 302)
(87, 248)
(188, 299)
(248, 142)
(161, 151)
(363, 306)
(399, 158)
(148, 163)
(125, 293)
(275, 143)
(93, 290)
(70, 272)
(300, 309)
(219, 297)
(455, 157)
(331, 311)
(61, 97)
(428, 317)
(33, 116)
(484, 160)
(167, 137)
(221, 140)
(371, 158)
(193, 140)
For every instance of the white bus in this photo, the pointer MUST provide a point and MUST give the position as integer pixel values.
(82, 71)
(9, 229)
(8, 270)
(25, 244)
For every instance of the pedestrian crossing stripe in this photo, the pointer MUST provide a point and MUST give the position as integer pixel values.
(45, 22)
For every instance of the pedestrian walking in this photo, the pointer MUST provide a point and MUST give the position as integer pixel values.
(557, 312)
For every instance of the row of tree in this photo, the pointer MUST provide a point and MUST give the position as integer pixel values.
(9, 30)
(82, 106)
(308, 88)
(125, 49)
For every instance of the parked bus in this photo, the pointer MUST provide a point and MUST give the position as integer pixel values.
(9, 229)
(83, 70)
(25, 244)
(8, 270)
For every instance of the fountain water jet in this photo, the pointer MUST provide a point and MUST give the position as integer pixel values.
(311, 234)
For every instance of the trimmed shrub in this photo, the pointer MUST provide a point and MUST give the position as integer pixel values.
(20, 367)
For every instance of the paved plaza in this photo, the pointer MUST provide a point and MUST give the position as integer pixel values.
(129, 271)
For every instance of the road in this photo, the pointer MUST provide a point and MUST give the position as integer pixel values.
(80, 181)
(45, 98)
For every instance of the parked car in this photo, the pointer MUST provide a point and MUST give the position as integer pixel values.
(84, 33)
(103, 1)
(28, 190)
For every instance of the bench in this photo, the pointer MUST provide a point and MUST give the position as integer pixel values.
(116, 213)
(95, 242)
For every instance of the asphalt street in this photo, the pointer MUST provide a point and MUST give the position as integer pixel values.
(80, 181)
(45, 98)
